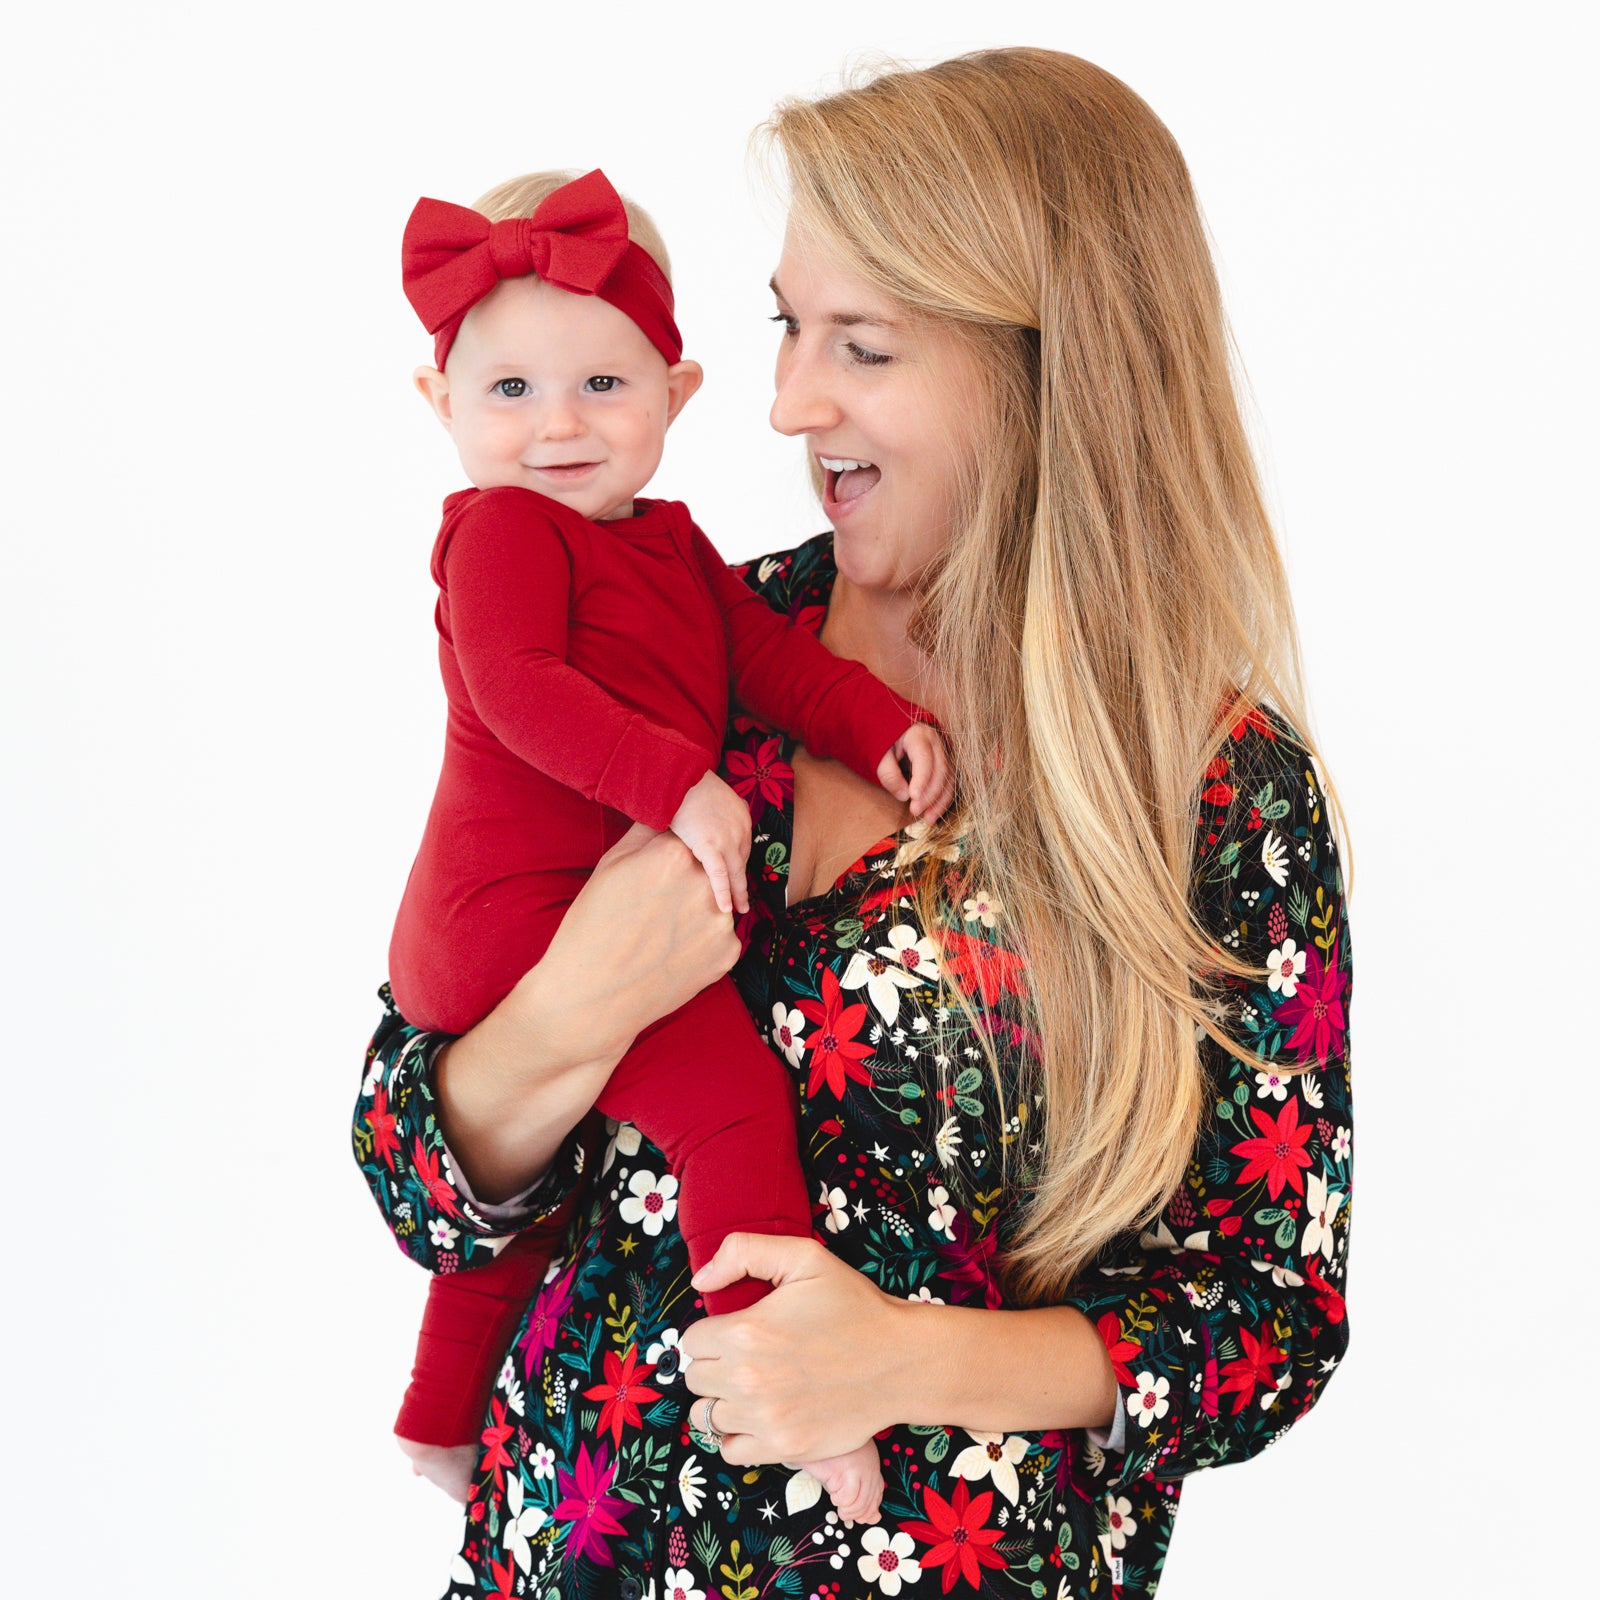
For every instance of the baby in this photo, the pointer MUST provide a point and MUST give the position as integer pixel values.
(586, 637)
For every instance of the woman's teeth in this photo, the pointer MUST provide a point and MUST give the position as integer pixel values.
(841, 465)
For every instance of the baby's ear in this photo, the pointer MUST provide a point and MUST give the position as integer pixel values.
(683, 378)
(434, 387)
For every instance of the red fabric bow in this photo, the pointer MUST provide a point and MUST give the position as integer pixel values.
(576, 239)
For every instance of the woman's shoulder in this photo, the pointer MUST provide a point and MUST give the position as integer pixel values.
(792, 580)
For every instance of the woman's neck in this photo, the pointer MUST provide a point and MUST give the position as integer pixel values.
(869, 626)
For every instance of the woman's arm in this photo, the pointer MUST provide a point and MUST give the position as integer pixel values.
(643, 937)
(793, 1396)
(506, 1101)
(1225, 1320)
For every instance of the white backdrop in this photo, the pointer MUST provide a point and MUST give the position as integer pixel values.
(222, 716)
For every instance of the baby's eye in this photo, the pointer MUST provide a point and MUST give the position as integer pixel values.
(511, 388)
(602, 384)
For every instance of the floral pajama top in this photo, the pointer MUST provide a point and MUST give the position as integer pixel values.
(1224, 1321)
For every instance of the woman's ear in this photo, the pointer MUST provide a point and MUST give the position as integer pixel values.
(683, 378)
(434, 387)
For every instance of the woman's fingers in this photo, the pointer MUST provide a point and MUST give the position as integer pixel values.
(770, 1256)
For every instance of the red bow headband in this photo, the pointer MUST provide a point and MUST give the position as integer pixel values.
(576, 239)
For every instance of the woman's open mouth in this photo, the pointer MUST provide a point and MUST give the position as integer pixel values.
(845, 483)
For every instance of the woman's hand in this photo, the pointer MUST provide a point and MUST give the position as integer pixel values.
(808, 1372)
(643, 936)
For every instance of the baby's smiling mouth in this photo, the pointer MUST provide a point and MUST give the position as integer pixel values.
(560, 470)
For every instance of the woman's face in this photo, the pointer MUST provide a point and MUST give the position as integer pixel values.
(888, 409)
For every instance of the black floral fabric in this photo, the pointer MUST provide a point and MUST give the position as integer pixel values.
(1223, 1321)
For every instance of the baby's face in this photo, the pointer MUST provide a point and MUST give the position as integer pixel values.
(560, 393)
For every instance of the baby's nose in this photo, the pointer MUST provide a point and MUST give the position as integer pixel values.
(560, 419)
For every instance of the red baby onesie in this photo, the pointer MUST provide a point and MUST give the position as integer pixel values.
(587, 668)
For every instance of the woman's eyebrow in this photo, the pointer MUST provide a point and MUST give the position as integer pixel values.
(843, 319)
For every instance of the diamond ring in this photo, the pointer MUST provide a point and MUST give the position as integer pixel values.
(708, 1428)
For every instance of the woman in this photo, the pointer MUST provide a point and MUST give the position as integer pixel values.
(1073, 1085)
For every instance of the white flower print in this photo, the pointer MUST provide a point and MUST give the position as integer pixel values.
(543, 1464)
(993, 1455)
(1119, 1520)
(887, 1561)
(925, 1297)
(903, 963)
(982, 907)
(1275, 858)
(1281, 1276)
(943, 1213)
(667, 1341)
(947, 1141)
(1321, 1209)
(1150, 1403)
(916, 846)
(624, 1142)
(1271, 1083)
(802, 1492)
(521, 1525)
(788, 1033)
(1161, 1238)
(442, 1234)
(652, 1201)
(680, 1586)
(1341, 1144)
(691, 1486)
(838, 1217)
(1286, 966)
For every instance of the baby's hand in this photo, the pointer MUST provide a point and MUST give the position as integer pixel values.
(715, 824)
(932, 785)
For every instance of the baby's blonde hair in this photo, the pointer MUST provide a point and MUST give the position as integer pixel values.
(520, 197)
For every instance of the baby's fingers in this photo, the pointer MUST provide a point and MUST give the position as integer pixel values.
(717, 872)
(891, 777)
(740, 883)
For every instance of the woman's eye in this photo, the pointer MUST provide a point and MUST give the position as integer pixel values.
(863, 357)
(512, 388)
(602, 384)
(791, 325)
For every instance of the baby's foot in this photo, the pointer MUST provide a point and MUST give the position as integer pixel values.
(448, 1465)
(854, 1480)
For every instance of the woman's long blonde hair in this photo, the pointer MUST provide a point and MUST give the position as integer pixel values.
(1114, 582)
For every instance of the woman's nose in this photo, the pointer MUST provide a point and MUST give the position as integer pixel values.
(803, 402)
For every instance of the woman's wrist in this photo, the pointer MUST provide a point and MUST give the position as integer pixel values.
(1004, 1371)
(512, 1089)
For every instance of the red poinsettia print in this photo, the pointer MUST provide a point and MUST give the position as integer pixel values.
(1316, 1011)
(955, 1533)
(979, 965)
(836, 1053)
(426, 1164)
(761, 775)
(1279, 1155)
(1252, 1370)
(382, 1122)
(623, 1392)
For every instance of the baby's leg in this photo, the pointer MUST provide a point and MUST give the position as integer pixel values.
(854, 1481)
(702, 1085)
(469, 1322)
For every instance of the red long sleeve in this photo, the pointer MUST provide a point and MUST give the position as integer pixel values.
(785, 677)
(509, 576)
